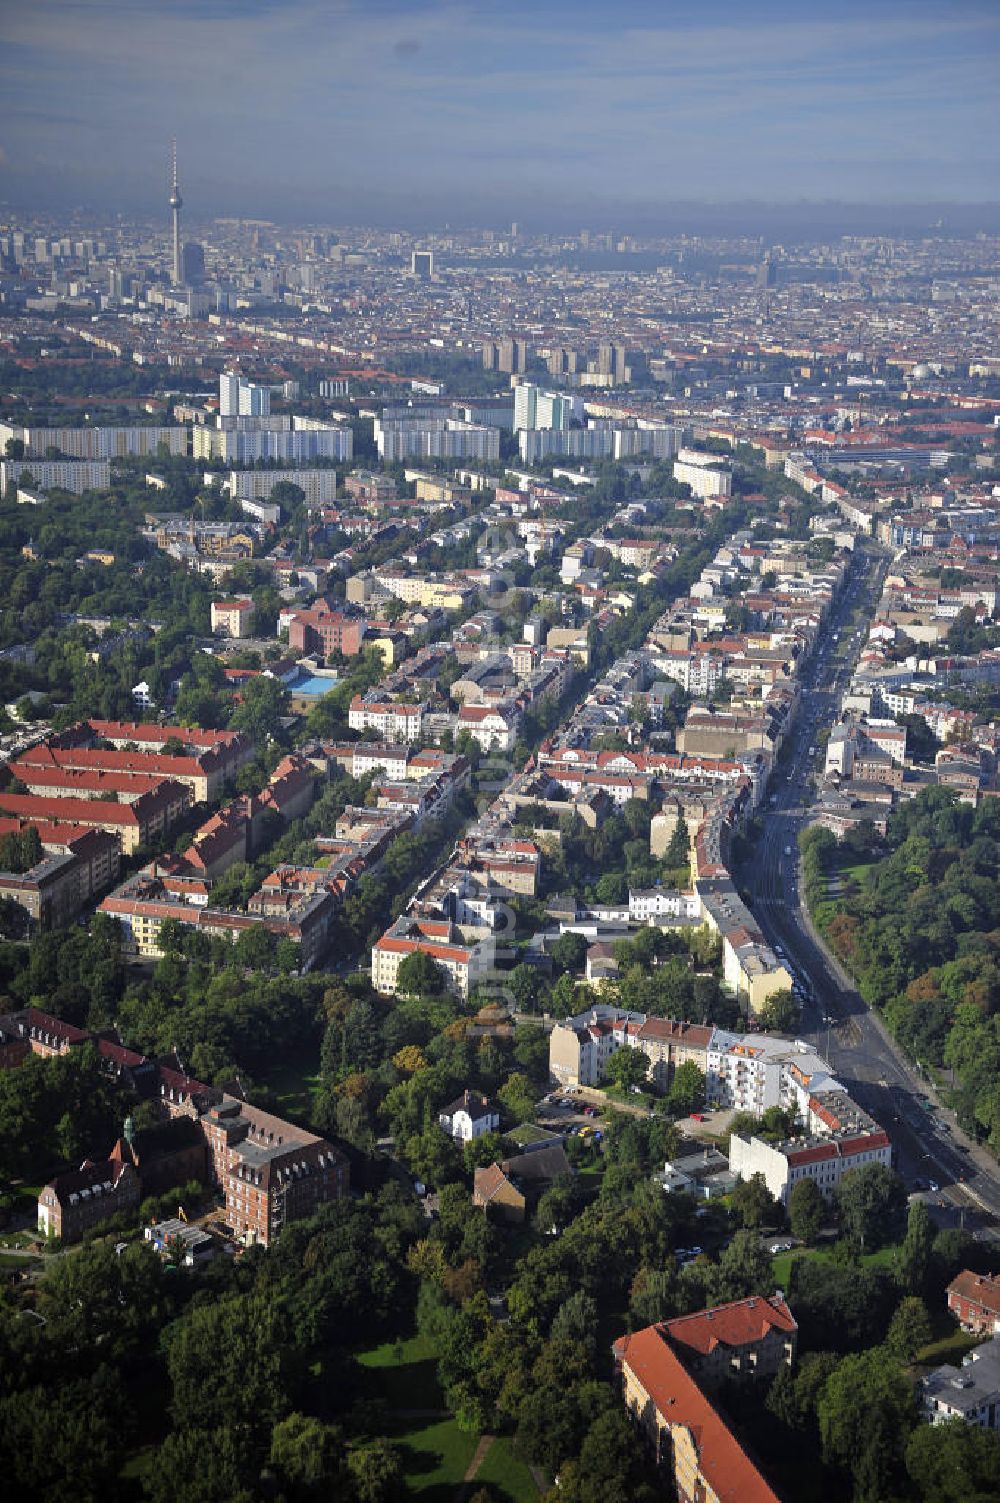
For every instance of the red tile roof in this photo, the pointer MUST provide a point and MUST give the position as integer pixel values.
(977, 1289)
(724, 1464)
(738, 1324)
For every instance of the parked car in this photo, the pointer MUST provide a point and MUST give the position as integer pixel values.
(779, 1247)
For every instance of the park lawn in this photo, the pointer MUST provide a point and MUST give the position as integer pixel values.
(9, 1264)
(403, 1373)
(507, 1474)
(951, 1348)
(22, 1239)
(294, 1080)
(782, 1264)
(436, 1455)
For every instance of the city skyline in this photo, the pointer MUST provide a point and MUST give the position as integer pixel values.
(434, 111)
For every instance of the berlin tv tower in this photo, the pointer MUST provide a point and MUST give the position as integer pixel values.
(175, 208)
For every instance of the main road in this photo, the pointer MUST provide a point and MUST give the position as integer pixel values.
(932, 1153)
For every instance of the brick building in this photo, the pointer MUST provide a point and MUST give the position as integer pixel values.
(270, 1172)
(70, 1204)
(323, 630)
(974, 1300)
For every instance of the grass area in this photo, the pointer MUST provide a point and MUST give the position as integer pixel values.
(951, 1348)
(10, 1263)
(856, 874)
(19, 1239)
(403, 1373)
(507, 1474)
(138, 1465)
(629, 1098)
(783, 1262)
(294, 1080)
(436, 1454)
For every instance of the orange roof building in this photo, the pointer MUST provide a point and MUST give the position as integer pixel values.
(689, 1438)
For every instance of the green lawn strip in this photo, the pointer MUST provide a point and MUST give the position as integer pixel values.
(11, 1263)
(436, 1454)
(18, 1239)
(782, 1264)
(507, 1473)
(951, 1349)
(403, 1373)
(294, 1081)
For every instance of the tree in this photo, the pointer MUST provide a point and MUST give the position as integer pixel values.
(909, 1329)
(201, 1466)
(525, 982)
(569, 952)
(612, 889)
(308, 1454)
(780, 1012)
(518, 1096)
(745, 1267)
(420, 976)
(264, 701)
(254, 948)
(842, 1306)
(610, 1469)
(687, 1089)
(753, 1205)
(866, 1412)
(871, 1201)
(653, 1296)
(226, 1364)
(576, 1320)
(915, 1253)
(806, 1210)
(627, 1068)
(377, 1472)
(954, 1462)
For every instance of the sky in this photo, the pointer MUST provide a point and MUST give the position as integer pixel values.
(416, 112)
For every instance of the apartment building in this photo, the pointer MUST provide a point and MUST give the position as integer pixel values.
(394, 722)
(232, 618)
(76, 475)
(494, 728)
(96, 442)
(205, 773)
(704, 473)
(97, 854)
(464, 954)
(746, 1339)
(824, 1160)
(687, 1437)
(319, 486)
(136, 823)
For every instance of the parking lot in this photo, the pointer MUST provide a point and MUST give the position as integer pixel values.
(566, 1112)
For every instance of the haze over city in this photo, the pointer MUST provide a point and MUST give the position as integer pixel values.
(431, 111)
(499, 751)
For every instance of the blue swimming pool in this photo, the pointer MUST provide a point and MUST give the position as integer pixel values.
(311, 683)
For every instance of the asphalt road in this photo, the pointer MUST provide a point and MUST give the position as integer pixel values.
(930, 1148)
